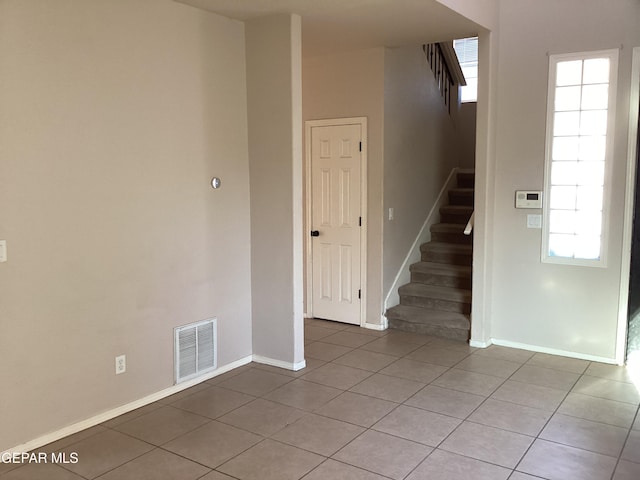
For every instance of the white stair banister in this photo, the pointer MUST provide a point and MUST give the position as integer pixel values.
(469, 228)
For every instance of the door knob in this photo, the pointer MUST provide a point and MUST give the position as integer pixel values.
(315, 233)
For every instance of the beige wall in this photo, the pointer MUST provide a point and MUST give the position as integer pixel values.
(275, 135)
(352, 85)
(114, 116)
(420, 150)
(484, 189)
(558, 307)
(466, 134)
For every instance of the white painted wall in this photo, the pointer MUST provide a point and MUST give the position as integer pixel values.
(563, 308)
(114, 116)
(483, 12)
(352, 85)
(420, 150)
(275, 164)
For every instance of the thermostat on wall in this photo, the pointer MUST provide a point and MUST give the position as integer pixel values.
(528, 199)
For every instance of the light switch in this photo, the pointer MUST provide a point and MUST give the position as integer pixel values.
(3, 250)
(534, 221)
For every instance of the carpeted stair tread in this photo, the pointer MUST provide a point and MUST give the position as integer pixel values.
(466, 178)
(455, 213)
(457, 209)
(435, 292)
(450, 233)
(447, 227)
(444, 247)
(461, 196)
(437, 301)
(426, 316)
(465, 190)
(441, 269)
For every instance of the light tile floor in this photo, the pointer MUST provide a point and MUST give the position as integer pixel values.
(375, 405)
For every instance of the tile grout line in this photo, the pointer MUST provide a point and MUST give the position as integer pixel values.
(555, 412)
(515, 468)
(624, 444)
(371, 428)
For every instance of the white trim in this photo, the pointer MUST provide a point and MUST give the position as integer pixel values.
(297, 181)
(629, 201)
(309, 124)
(468, 229)
(376, 326)
(279, 363)
(424, 235)
(453, 62)
(485, 188)
(476, 344)
(552, 351)
(554, 59)
(116, 412)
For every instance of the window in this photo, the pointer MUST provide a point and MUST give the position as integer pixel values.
(467, 53)
(580, 114)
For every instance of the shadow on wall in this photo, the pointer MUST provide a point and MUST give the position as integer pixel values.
(633, 348)
(633, 336)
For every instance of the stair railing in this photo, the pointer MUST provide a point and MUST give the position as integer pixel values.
(469, 228)
(445, 67)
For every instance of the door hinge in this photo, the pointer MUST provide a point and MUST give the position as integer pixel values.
(360, 146)
(359, 221)
(359, 293)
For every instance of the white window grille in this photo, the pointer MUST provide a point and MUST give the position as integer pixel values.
(580, 114)
(467, 52)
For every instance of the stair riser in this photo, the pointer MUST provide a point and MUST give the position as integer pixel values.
(423, 309)
(441, 280)
(458, 218)
(466, 180)
(460, 199)
(457, 238)
(436, 304)
(449, 258)
(457, 334)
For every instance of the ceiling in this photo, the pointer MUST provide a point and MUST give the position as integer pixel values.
(331, 26)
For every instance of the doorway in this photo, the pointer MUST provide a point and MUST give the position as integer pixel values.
(629, 333)
(336, 220)
(633, 328)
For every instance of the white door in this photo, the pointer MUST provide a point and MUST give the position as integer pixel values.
(335, 222)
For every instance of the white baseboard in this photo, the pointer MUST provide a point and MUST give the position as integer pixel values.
(377, 326)
(116, 412)
(279, 363)
(552, 351)
(477, 344)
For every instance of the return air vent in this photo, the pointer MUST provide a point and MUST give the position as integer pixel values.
(195, 349)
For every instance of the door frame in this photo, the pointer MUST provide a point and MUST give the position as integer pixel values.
(629, 202)
(331, 122)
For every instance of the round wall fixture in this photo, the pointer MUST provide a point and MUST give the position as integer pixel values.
(216, 182)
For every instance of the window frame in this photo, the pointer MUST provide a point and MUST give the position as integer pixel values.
(463, 61)
(554, 59)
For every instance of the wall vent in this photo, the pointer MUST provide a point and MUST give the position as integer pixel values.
(196, 350)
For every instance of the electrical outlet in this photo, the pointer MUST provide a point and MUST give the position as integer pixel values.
(121, 364)
(391, 213)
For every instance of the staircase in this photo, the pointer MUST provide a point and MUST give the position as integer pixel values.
(437, 301)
